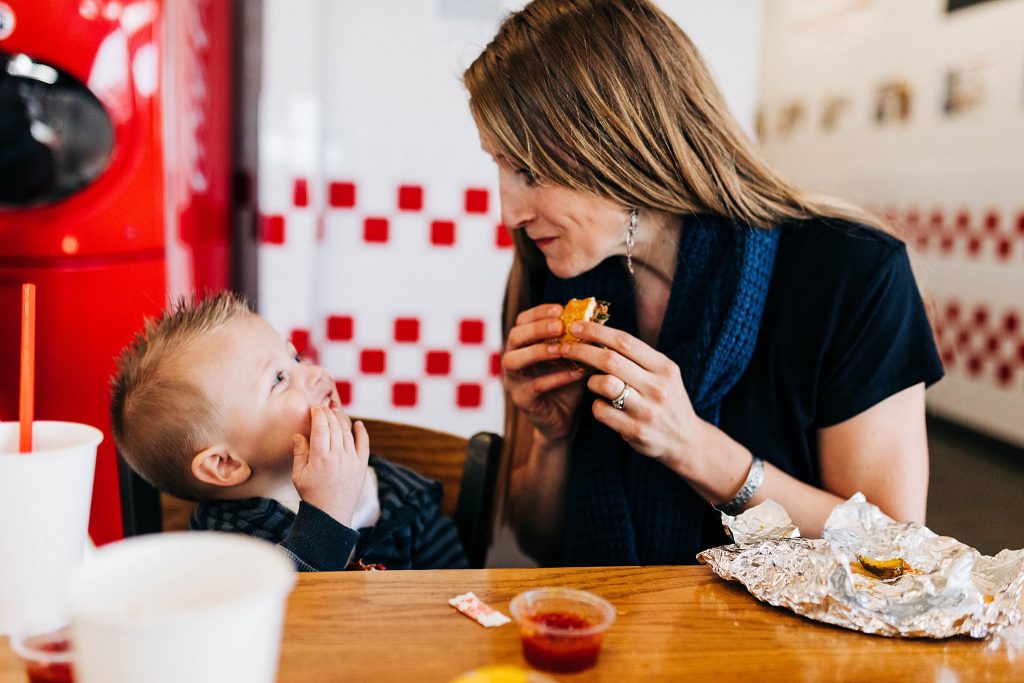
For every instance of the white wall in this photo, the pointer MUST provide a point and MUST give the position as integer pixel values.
(369, 94)
(950, 179)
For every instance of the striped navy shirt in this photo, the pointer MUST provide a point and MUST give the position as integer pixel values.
(410, 534)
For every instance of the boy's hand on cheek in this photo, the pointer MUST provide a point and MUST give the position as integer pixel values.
(329, 469)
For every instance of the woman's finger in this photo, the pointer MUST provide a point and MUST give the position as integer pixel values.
(624, 343)
(518, 360)
(533, 332)
(539, 312)
(609, 386)
(609, 362)
(525, 393)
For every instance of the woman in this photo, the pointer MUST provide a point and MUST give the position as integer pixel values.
(762, 343)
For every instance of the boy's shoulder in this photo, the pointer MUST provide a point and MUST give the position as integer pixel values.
(402, 483)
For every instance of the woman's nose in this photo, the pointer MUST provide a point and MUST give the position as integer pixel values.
(516, 207)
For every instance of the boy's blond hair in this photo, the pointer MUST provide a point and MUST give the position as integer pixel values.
(160, 420)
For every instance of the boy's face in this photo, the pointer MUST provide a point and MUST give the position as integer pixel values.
(262, 388)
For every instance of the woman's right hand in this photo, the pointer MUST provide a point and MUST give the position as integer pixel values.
(537, 380)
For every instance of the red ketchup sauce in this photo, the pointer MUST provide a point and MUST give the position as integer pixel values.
(57, 672)
(565, 651)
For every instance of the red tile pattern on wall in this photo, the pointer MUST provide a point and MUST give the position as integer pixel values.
(984, 343)
(467, 375)
(986, 235)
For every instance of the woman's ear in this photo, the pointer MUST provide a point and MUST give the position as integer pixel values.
(216, 466)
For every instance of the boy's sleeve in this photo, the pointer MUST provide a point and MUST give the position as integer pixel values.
(436, 543)
(317, 542)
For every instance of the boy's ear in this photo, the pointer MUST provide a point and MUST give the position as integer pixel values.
(216, 466)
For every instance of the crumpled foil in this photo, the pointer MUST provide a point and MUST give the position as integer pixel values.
(953, 590)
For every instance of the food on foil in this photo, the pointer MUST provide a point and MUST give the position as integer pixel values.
(885, 570)
(872, 574)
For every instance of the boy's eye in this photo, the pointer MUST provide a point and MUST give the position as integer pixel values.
(298, 357)
(279, 377)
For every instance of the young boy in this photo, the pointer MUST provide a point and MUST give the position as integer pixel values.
(211, 404)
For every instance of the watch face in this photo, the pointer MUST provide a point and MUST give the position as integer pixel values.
(66, 123)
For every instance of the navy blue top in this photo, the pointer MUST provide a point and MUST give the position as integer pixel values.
(843, 328)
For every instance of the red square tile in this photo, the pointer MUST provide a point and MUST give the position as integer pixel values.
(344, 392)
(300, 192)
(272, 229)
(407, 329)
(372, 361)
(375, 230)
(502, 237)
(300, 340)
(303, 346)
(471, 331)
(963, 220)
(992, 221)
(442, 233)
(340, 328)
(342, 195)
(438, 362)
(410, 198)
(496, 364)
(404, 394)
(476, 200)
(469, 395)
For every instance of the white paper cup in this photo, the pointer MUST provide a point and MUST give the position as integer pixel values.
(190, 606)
(44, 519)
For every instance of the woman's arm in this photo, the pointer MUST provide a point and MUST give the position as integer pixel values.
(537, 493)
(882, 452)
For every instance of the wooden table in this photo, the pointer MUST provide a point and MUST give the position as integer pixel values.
(674, 623)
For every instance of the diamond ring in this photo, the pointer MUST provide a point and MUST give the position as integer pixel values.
(620, 400)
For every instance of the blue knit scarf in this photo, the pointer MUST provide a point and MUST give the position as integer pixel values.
(623, 508)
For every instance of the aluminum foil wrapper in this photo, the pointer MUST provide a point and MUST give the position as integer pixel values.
(947, 588)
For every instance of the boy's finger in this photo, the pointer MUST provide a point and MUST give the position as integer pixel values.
(336, 432)
(300, 451)
(362, 440)
(343, 418)
(319, 433)
(349, 443)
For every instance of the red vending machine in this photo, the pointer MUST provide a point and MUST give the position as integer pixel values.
(128, 104)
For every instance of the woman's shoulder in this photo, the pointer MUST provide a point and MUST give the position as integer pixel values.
(834, 248)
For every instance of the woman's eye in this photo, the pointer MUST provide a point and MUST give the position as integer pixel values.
(529, 176)
(279, 377)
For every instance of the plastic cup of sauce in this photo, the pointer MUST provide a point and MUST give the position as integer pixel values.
(561, 628)
(47, 656)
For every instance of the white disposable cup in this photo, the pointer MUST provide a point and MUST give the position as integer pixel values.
(189, 606)
(45, 496)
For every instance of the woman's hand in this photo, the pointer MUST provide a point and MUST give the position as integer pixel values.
(330, 468)
(657, 418)
(546, 391)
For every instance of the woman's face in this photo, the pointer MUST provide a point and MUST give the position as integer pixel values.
(574, 230)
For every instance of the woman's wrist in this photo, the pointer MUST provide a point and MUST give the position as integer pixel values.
(714, 464)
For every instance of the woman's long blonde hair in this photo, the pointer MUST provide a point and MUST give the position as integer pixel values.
(611, 97)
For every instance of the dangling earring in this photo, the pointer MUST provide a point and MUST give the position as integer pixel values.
(634, 215)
